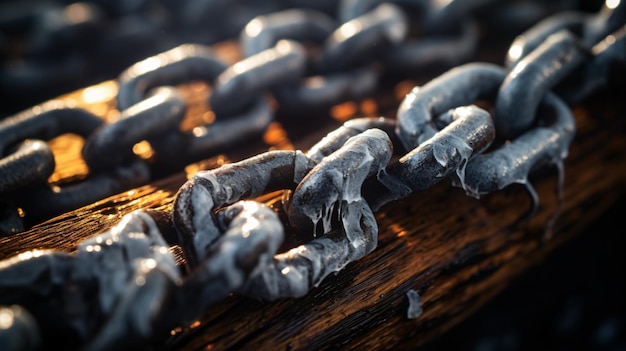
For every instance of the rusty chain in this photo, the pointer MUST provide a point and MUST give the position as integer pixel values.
(303, 57)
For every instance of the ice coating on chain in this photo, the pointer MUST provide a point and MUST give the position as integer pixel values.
(252, 233)
(306, 266)
(133, 265)
(110, 253)
(332, 186)
(328, 208)
(253, 227)
(338, 178)
(295, 272)
(459, 86)
(513, 161)
(336, 138)
(130, 265)
(200, 200)
(209, 190)
(447, 152)
(127, 265)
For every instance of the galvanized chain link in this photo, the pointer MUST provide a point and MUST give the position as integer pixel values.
(231, 241)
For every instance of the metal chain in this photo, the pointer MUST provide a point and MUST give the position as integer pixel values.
(99, 296)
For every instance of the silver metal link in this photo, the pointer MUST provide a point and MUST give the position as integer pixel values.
(323, 194)
(28, 162)
(441, 51)
(319, 92)
(176, 66)
(457, 87)
(315, 91)
(362, 38)
(179, 148)
(46, 121)
(469, 132)
(112, 143)
(31, 162)
(513, 162)
(40, 203)
(284, 63)
(302, 25)
(335, 139)
(531, 79)
(533, 37)
(208, 191)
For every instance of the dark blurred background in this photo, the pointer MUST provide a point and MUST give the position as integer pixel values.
(573, 300)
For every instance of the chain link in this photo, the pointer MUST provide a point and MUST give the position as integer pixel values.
(303, 57)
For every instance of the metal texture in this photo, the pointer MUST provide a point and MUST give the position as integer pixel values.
(124, 285)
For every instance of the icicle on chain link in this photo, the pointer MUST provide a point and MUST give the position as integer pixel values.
(231, 243)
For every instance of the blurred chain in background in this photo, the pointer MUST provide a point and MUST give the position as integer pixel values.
(53, 47)
(48, 48)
